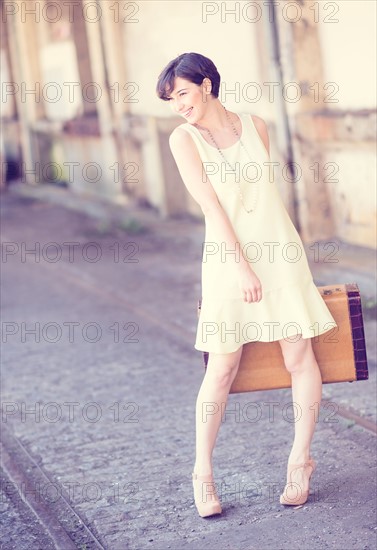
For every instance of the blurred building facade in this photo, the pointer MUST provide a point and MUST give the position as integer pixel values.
(79, 105)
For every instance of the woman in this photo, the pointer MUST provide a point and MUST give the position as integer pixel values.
(256, 281)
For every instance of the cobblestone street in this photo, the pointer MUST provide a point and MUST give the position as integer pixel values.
(99, 401)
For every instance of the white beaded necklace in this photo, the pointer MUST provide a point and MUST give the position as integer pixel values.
(255, 188)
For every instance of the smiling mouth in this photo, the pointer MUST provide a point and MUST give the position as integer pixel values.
(188, 113)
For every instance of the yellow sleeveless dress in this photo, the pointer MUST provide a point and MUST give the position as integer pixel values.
(291, 303)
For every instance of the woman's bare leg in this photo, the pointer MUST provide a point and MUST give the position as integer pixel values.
(210, 405)
(300, 361)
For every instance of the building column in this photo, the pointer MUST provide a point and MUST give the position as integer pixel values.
(24, 56)
(87, 33)
(128, 149)
(302, 69)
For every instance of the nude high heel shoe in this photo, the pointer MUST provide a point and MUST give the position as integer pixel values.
(204, 491)
(293, 494)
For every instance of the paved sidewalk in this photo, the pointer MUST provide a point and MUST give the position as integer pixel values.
(113, 422)
(331, 261)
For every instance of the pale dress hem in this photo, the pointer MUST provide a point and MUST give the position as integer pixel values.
(308, 315)
(324, 330)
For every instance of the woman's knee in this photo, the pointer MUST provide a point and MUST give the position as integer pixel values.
(298, 355)
(222, 368)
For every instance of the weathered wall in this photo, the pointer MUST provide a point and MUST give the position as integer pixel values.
(327, 48)
(333, 124)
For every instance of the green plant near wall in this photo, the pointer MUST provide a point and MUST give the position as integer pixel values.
(132, 226)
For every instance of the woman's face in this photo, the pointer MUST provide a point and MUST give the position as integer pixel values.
(188, 99)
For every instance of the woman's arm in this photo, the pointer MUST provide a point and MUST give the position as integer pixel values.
(197, 183)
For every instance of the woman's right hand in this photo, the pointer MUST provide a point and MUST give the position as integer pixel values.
(249, 284)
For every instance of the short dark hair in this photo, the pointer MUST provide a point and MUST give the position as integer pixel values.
(190, 66)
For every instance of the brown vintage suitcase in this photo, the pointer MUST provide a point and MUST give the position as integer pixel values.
(340, 353)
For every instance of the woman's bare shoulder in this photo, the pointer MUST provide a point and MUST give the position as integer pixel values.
(259, 122)
(180, 136)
